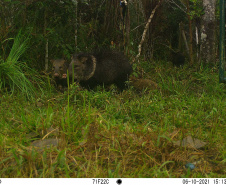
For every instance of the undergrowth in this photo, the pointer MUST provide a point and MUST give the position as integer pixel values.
(105, 133)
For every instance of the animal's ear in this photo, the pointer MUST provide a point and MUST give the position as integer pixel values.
(66, 63)
(64, 60)
(83, 59)
(73, 56)
(64, 56)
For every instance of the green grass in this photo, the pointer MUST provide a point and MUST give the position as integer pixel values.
(111, 134)
(15, 75)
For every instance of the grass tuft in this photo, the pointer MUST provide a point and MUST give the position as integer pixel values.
(15, 74)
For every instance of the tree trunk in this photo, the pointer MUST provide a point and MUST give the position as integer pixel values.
(184, 38)
(47, 41)
(190, 33)
(208, 39)
(76, 26)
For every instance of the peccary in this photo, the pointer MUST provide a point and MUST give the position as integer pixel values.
(142, 84)
(59, 72)
(102, 67)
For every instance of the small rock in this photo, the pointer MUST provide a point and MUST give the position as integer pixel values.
(47, 143)
(190, 166)
(191, 143)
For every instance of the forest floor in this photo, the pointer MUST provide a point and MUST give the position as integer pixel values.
(177, 130)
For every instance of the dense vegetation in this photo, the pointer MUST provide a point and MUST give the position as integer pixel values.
(110, 134)
(104, 132)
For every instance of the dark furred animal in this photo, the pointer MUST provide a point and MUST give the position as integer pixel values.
(178, 59)
(103, 67)
(59, 72)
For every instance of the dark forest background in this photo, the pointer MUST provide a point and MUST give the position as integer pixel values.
(60, 28)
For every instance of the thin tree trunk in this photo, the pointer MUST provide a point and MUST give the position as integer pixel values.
(47, 55)
(47, 41)
(208, 39)
(76, 25)
(128, 27)
(184, 38)
(197, 41)
(190, 33)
